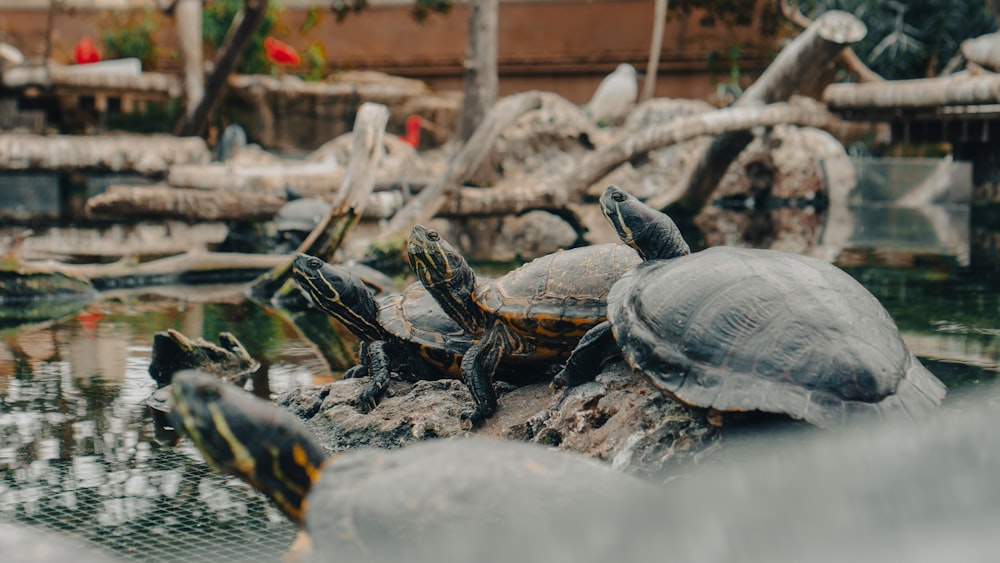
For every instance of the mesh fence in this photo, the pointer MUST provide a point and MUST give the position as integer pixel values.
(168, 507)
(81, 457)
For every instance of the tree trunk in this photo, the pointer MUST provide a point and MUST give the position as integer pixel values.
(655, 46)
(480, 66)
(244, 25)
(188, 19)
(801, 62)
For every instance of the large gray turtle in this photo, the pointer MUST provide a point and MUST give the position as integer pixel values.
(736, 329)
(433, 501)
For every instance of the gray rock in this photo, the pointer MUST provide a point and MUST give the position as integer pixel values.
(619, 418)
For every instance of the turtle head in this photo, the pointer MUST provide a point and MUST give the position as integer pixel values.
(446, 275)
(253, 439)
(335, 290)
(651, 233)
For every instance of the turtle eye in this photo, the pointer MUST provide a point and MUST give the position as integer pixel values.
(618, 196)
(314, 263)
(433, 235)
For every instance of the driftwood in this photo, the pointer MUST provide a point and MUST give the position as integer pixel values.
(801, 62)
(190, 267)
(848, 57)
(892, 95)
(437, 195)
(161, 201)
(558, 193)
(146, 154)
(348, 203)
(983, 51)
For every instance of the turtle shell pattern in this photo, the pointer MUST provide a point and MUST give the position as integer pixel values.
(415, 317)
(559, 296)
(743, 329)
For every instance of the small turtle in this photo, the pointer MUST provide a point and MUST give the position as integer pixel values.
(420, 502)
(535, 313)
(404, 333)
(172, 351)
(735, 329)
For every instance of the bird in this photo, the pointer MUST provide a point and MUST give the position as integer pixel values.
(615, 95)
(412, 136)
(280, 53)
(234, 138)
(85, 52)
(10, 55)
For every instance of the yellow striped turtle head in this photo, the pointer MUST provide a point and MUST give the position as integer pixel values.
(651, 233)
(253, 439)
(447, 276)
(338, 292)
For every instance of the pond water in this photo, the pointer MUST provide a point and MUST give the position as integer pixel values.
(79, 453)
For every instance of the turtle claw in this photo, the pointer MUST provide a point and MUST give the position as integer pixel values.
(559, 380)
(366, 400)
(472, 418)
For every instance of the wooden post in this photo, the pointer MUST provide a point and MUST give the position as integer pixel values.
(480, 66)
(655, 46)
(243, 27)
(188, 18)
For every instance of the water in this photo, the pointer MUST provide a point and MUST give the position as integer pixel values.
(79, 453)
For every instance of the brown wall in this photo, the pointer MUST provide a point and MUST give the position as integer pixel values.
(565, 46)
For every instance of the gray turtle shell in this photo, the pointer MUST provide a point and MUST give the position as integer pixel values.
(762, 330)
(431, 500)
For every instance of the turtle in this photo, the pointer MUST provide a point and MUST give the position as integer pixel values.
(405, 333)
(736, 329)
(173, 351)
(535, 313)
(422, 500)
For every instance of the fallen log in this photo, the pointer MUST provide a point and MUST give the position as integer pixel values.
(801, 62)
(162, 201)
(557, 191)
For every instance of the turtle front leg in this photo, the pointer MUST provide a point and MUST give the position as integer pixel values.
(377, 360)
(595, 348)
(360, 370)
(478, 367)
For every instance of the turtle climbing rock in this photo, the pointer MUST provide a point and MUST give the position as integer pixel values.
(533, 314)
(404, 333)
(440, 500)
(736, 329)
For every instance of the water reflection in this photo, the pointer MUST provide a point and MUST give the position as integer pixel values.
(78, 452)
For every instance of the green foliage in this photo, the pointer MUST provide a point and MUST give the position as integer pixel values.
(423, 8)
(131, 40)
(216, 19)
(341, 8)
(312, 18)
(912, 39)
(315, 58)
(726, 12)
